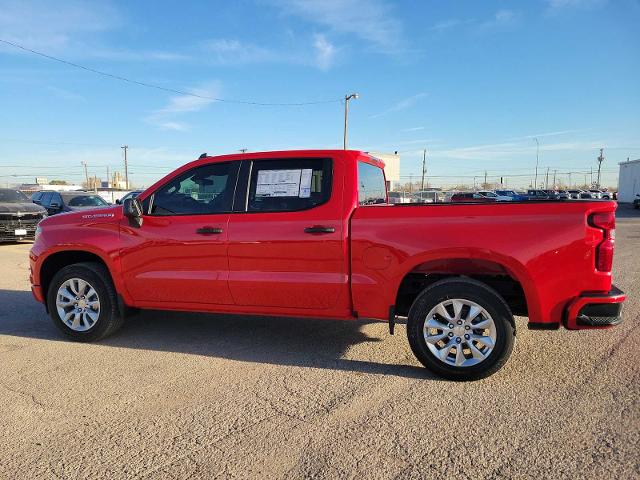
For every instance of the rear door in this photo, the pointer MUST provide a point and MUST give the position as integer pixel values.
(287, 243)
(179, 253)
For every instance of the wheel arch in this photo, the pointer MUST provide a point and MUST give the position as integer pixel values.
(62, 258)
(505, 275)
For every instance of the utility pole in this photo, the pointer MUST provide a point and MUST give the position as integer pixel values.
(485, 180)
(424, 166)
(535, 183)
(554, 178)
(600, 160)
(570, 184)
(591, 176)
(243, 150)
(108, 180)
(546, 180)
(346, 115)
(126, 167)
(86, 175)
(410, 183)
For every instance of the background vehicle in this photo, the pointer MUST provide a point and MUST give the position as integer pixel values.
(575, 194)
(301, 234)
(400, 197)
(471, 197)
(636, 201)
(563, 195)
(133, 194)
(515, 197)
(498, 198)
(595, 193)
(542, 195)
(59, 202)
(584, 194)
(428, 196)
(18, 216)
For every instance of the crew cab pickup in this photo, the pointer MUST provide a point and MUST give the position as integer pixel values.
(311, 234)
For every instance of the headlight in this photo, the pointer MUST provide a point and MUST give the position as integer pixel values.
(38, 231)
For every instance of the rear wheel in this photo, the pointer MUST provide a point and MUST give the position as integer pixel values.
(461, 329)
(82, 302)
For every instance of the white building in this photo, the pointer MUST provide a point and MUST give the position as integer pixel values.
(391, 167)
(629, 181)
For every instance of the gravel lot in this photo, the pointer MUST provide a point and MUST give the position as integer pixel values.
(177, 395)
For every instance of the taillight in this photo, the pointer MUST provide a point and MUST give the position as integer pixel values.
(605, 221)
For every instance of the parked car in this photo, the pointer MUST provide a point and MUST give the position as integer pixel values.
(542, 195)
(400, 197)
(59, 202)
(471, 197)
(585, 194)
(606, 195)
(563, 194)
(241, 233)
(495, 196)
(575, 194)
(513, 195)
(595, 193)
(18, 216)
(428, 196)
(133, 194)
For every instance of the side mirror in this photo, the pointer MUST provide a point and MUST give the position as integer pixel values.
(54, 205)
(118, 201)
(132, 209)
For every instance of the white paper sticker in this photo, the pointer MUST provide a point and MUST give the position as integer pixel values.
(305, 183)
(278, 183)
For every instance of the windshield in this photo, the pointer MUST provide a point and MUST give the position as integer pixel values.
(86, 201)
(13, 196)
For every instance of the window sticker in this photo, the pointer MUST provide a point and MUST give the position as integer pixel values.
(305, 183)
(278, 183)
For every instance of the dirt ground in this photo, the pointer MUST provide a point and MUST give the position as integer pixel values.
(177, 395)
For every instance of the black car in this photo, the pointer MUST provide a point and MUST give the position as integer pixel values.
(59, 202)
(18, 216)
(542, 195)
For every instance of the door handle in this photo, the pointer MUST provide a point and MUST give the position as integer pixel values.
(209, 231)
(319, 229)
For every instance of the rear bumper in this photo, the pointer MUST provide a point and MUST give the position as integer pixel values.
(595, 311)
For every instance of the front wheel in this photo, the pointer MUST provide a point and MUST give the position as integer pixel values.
(82, 302)
(461, 329)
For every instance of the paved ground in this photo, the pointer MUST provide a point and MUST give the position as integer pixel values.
(189, 396)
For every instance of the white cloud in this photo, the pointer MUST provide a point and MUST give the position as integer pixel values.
(451, 23)
(35, 24)
(412, 129)
(166, 118)
(369, 20)
(231, 51)
(501, 19)
(325, 52)
(564, 4)
(402, 104)
(512, 149)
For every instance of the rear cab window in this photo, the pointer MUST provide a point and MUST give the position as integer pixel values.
(371, 184)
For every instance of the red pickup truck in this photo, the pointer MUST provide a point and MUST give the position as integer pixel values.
(311, 234)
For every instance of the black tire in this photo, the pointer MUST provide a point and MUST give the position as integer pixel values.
(109, 319)
(479, 293)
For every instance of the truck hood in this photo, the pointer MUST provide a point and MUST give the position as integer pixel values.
(109, 214)
(21, 208)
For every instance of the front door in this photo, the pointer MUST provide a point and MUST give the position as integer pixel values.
(287, 244)
(179, 253)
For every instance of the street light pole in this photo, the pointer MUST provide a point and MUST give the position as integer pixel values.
(346, 115)
(535, 185)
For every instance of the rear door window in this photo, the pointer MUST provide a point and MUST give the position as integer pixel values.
(371, 185)
(288, 185)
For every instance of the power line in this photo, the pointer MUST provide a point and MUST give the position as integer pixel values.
(166, 89)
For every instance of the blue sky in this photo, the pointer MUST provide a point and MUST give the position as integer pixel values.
(471, 81)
